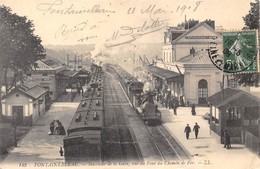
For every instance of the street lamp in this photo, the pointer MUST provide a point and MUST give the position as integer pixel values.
(258, 122)
(14, 123)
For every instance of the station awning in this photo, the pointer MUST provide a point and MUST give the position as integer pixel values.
(233, 98)
(162, 73)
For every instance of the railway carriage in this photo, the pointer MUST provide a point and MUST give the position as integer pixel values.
(84, 142)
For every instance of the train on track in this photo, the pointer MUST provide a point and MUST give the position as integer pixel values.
(83, 142)
(139, 94)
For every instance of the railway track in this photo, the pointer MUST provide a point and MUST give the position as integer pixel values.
(162, 145)
(167, 147)
(118, 143)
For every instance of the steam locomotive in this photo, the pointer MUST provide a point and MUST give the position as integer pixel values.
(139, 94)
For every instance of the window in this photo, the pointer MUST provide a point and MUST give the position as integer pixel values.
(44, 74)
(202, 91)
(232, 83)
(215, 115)
(203, 88)
(251, 116)
(233, 116)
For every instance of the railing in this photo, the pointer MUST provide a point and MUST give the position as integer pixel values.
(251, 141)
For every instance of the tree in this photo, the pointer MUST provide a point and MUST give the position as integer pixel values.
(251, 22)
(19, 47)
(252, 18)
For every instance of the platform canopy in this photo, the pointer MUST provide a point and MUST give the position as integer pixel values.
(162, 73)
(233, 98)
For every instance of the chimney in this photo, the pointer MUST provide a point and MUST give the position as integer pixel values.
(211, 23)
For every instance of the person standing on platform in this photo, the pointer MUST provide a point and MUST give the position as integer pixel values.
(193, 111)
(170, 103)
(176, 105)
(187, 130)
(196, 129)
(227, 144)
(52, 125)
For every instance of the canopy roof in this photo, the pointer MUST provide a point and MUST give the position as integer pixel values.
(233, 97)
(162, 73)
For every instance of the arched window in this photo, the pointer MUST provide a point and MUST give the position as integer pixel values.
(202, 91)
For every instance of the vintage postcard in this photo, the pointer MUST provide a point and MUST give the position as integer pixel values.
(129, 84)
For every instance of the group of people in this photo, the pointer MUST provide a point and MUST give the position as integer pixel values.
(167, 101)
(56, 127)
(171, 102)
(187, 130)
(196, 128)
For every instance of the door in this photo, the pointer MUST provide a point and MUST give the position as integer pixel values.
(202, 91)
(17, 112)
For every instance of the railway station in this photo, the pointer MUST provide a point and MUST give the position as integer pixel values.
(129, 84)
(114, 121)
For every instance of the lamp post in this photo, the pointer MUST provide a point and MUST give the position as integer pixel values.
(14, 123)
(258, 122)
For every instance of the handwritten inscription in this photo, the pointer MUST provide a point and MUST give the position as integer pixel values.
(153, 10)
(86, 38)
(58, 7)
(183, 8)
(128, 34)
(65, 30)
(154, 18)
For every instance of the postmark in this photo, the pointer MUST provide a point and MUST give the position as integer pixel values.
(239, 53)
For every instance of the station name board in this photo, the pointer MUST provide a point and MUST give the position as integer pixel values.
(201, 37)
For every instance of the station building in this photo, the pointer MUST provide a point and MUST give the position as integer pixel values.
(45, 75)
(55, 77)
(237, 112)
(186, 68)
(26, 103)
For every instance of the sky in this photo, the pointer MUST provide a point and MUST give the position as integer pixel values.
(117, 22)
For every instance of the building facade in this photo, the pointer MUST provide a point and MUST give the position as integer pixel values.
(25, 103)
(46, 75)
(185, 52)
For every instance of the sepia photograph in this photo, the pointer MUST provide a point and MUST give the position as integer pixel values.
(129, 84)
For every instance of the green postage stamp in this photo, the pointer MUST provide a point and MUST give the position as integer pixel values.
(240, 52)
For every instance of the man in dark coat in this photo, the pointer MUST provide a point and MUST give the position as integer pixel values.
(193, 111)
(226, 140)
(52, 125)
(196, 129)
(187, 130)
(170, 103)
(175, 106)
(62, 130)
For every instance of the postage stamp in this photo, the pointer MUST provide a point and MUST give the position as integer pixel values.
(240, 51)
